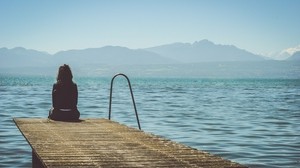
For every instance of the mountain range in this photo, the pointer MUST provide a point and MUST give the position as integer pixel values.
(176, 53)
(199, 59)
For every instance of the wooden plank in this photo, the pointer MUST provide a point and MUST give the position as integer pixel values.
(104, 143)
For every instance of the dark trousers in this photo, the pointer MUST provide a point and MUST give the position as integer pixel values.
(59, 115)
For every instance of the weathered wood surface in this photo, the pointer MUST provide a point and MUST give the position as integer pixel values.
(103, 143)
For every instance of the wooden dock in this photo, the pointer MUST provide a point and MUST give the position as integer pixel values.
(104, 143)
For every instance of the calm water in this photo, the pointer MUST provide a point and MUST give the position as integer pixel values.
(251, 121)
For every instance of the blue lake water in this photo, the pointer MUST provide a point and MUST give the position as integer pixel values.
(251, 121)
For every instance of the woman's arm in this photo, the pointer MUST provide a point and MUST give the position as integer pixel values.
(54, 93)
(76, 95)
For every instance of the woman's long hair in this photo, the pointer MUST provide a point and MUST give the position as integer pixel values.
(64, 75)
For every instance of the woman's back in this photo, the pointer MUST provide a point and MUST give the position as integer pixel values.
(64, 96)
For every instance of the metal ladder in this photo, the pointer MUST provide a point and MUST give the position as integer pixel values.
(110, 98)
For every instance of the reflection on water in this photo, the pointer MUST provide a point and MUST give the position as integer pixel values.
(251, 121)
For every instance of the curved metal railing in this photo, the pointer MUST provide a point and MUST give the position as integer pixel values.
(132, 97)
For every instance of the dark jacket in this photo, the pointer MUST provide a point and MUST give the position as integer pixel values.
(64, 96)
(64, 101)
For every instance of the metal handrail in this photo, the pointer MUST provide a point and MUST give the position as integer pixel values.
(110, 98)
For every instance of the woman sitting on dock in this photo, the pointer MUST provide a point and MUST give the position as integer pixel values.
(64, 97)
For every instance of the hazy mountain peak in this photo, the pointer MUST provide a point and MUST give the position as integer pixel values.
(292, 50)
(295, 56)
(203, 42)
(115, 47)
(284, 54)
(3, 49)
(204, 51)
(19, 48)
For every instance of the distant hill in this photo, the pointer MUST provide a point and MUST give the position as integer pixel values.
(204, 51)
(110, 55)
(21, 57)
(295, 56)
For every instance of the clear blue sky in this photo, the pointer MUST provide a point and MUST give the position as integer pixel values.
(259, 26)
